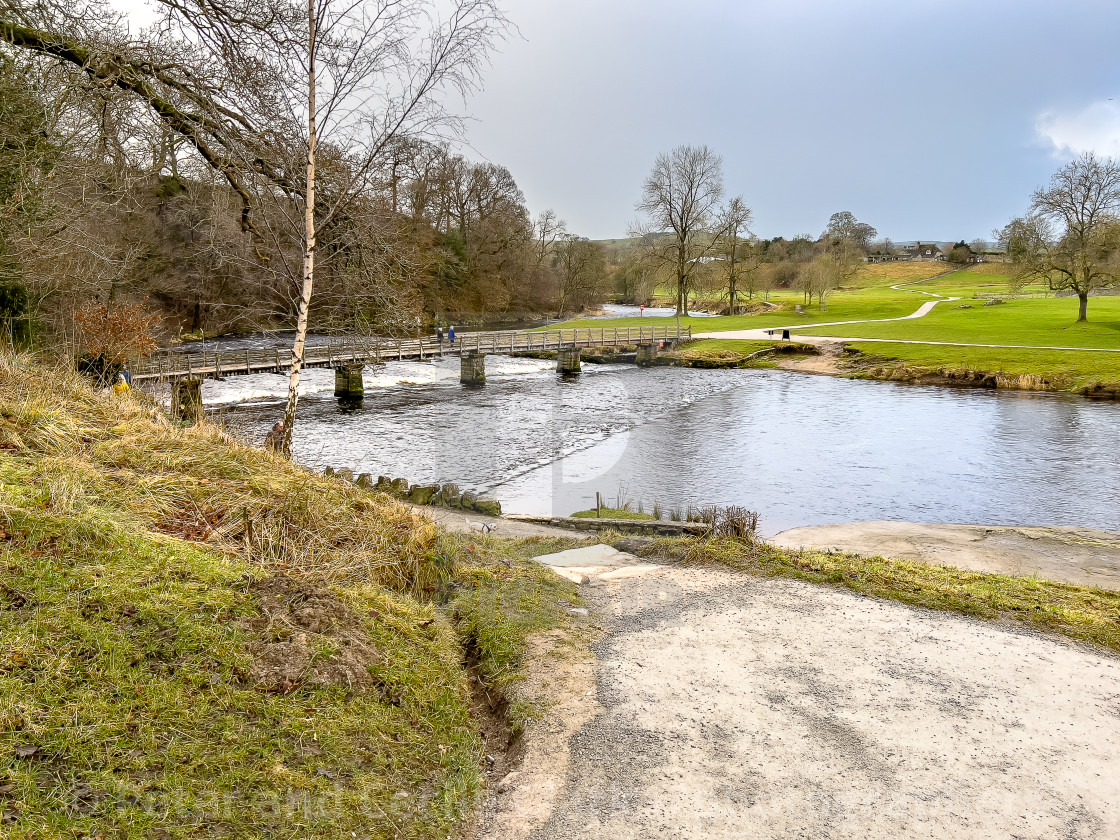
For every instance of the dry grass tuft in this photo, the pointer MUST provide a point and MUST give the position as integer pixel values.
(202, 485)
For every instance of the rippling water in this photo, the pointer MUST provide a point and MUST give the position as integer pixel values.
(799, 449)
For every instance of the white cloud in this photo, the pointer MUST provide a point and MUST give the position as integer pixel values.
(1092, 129)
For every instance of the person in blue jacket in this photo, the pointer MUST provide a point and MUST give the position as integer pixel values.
(451, 335)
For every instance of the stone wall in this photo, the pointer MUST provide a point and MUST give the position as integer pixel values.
(437, 495)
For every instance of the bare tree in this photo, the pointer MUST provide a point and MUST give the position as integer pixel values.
(548, 228)
(884, 247)
(219, 74)
(680, 199)
(733, 223)
(635, 279)
(1070, 237)
(819, 277)
(370, 71)
(582, 273)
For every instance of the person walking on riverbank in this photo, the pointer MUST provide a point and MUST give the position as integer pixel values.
(439, 337)
(451, 335)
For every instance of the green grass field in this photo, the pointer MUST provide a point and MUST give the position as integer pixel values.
(1029, 322)
(841, 306)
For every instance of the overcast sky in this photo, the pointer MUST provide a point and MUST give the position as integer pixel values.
(928, 119)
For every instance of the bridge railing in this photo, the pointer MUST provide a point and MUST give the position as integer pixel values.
(366, 350)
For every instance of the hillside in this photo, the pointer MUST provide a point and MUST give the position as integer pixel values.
(204, 640)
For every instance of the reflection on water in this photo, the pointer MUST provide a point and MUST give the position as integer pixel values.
(799, 449)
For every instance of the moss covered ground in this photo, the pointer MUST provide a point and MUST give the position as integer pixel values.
(200, 639)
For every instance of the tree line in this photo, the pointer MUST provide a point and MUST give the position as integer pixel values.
(692, 239)
(259, 162)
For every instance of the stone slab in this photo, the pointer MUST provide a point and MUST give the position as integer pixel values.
(592, 555)
(570, 574)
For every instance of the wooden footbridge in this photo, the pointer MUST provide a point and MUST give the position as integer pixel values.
(348, 356)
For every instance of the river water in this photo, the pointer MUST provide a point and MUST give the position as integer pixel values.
(797, 448)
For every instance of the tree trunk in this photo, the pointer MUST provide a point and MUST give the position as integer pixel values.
(309, 244)
(1083, 309)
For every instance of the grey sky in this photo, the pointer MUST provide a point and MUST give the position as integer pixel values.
(927, 119)
(921, 117)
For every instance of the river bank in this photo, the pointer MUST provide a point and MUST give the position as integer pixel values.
(201, 639)
(869, 361)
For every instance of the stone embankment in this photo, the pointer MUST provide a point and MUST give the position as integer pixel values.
(436, 495)
(644, 527)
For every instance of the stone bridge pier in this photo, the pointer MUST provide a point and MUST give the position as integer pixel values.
(472, 369)
(348, 384)
(186, 400)
(567, 360)
(647, 354)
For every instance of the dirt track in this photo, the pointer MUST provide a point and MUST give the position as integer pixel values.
(731, 706)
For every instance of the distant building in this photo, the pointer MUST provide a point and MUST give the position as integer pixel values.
(921, 253)
(918, 252)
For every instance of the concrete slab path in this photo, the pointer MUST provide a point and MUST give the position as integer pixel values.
(1072, 555)
(730, 706)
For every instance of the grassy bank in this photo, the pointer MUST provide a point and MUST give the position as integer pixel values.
(1078, 371)
(1081, 613)
(1030, 321)
(1025, 323)
(203, 640)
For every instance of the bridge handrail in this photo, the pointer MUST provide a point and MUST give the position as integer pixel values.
(171, 365)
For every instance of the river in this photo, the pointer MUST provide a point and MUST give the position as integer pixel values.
(799, 449)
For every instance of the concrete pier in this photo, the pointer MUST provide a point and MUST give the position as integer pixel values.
(348, 383)
(186, 400)
(472, 369)
(647, 354)
(567, 360)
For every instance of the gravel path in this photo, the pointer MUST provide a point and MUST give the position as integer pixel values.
(735, 706)
(767, 332)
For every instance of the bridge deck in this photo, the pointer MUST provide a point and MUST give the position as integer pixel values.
(173, 366)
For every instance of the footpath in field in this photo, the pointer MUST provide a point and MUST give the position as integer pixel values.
(722, 705)
(767, 333)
